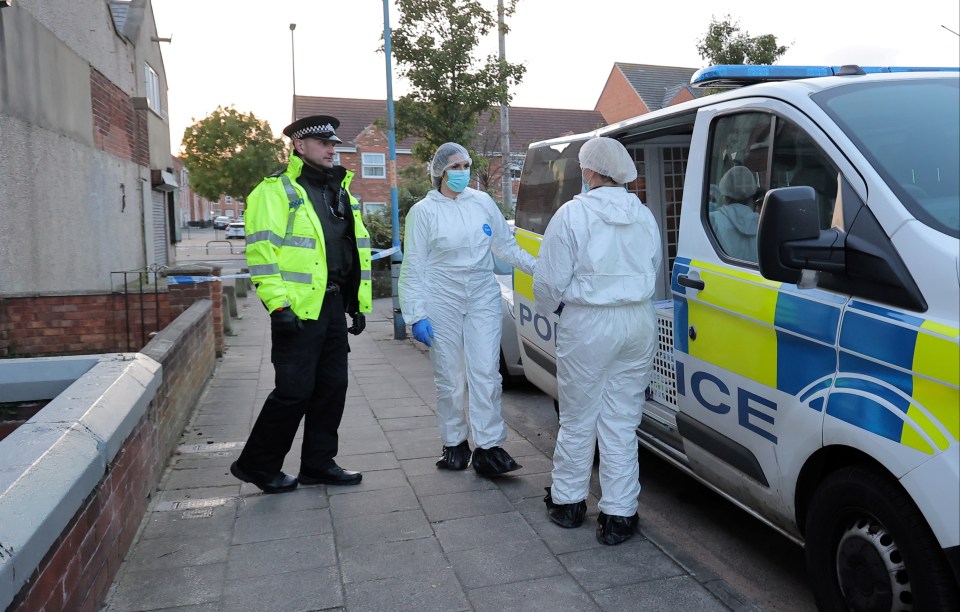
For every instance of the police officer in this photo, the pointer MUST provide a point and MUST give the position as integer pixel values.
(309, 258)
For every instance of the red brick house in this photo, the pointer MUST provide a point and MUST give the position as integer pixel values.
(365, 148)
(637, 89)
(631, 90)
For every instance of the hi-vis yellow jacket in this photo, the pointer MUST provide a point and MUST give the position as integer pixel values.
(286, 252)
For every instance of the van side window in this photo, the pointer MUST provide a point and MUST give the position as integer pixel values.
(737, 174)
(750, 154)
(551, 177)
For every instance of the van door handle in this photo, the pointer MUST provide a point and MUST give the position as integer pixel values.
(693, 283)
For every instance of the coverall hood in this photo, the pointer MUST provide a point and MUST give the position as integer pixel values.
(615, 205)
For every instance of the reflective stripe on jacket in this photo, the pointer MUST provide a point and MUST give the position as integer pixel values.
(289, 269)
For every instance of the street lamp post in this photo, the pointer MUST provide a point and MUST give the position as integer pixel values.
(293, 63)
(399, 327)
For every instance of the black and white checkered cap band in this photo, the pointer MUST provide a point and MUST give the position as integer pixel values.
(325, 129)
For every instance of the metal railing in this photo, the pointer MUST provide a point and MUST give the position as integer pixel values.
(140, 283)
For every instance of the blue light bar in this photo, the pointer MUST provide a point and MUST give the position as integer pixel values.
(738, 75)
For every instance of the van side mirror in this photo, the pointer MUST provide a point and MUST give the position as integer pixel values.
(789, 239)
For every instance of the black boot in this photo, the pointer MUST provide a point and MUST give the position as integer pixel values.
(455, 457)
(567, 516)
(614, 530)
(493, 461)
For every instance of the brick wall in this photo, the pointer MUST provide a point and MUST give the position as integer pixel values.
(619, 100)
(81, 324)
(114, 121)
(81, 565)
(372, 140)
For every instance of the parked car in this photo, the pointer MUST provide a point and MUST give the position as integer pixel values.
(221, 222)
(511, 367)
(237, 229)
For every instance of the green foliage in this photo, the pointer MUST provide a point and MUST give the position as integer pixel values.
(381, 231)
(724, 43)
(435, 49)
(414, 183)
(229, 152)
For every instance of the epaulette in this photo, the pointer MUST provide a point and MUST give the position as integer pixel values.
(277, 173)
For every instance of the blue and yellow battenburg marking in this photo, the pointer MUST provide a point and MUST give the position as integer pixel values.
(898, 373)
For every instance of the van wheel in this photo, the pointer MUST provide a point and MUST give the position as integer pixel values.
(869, 548)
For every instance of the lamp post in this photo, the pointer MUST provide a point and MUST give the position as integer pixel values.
(293, 63)
(399, 327)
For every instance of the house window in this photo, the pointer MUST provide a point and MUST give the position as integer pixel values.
(336, 159)
(153, 88)
(516, 165)
(374, 207)
(374, 165)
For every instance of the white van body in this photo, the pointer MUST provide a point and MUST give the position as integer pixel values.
(815, 383)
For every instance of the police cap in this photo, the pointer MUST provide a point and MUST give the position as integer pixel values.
(315, 126)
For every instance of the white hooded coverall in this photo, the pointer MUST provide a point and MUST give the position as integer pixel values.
(600, 255)
(447, 277)
(736, 227)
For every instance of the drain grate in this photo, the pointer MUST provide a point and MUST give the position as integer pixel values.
(193, 504)
(216, 447)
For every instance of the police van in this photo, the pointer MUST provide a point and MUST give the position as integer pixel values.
(809, 371)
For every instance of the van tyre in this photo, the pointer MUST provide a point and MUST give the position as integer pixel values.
(869, 548)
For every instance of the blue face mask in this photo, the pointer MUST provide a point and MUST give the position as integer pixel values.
(585, 187)
(457, 179)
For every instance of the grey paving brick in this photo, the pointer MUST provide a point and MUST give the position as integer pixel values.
(362, 441)
(396, 389)
(479, 531)
(372, 481)
(422, 556)
(303, 591)
(518, 447)
(416, 450)
(439, 482)
(369, 462)
(634, 561)
(281, 556)
(435, 592)
(301, 498)
(560, 540)
(427, 436)
(168, 588)
(676, 593)
(467, 503)
(411, 422)
(554, 593)
(420, 465)
(521, 486)
(166, 553)
(534, 464)
(204, 460)
(200, 477)
(365, 503)
(504, 563)
(263, 527)
(394, 527)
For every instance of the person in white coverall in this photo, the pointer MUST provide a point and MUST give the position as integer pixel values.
(449, 294)
(598, 267)
(735, 223)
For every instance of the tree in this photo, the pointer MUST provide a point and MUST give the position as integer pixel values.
(434, 49)
(229, 152)
(724, 43)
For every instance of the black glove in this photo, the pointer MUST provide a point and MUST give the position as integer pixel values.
(359, 323)
(285, 321)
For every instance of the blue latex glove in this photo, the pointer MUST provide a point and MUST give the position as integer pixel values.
(423, 331)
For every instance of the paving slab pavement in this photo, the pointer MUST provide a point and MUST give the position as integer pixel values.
(409, 537)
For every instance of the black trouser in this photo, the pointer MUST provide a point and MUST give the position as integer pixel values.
(311, 381)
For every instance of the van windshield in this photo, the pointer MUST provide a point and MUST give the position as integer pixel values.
(910, 132)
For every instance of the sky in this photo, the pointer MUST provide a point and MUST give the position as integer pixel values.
(239, 52)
